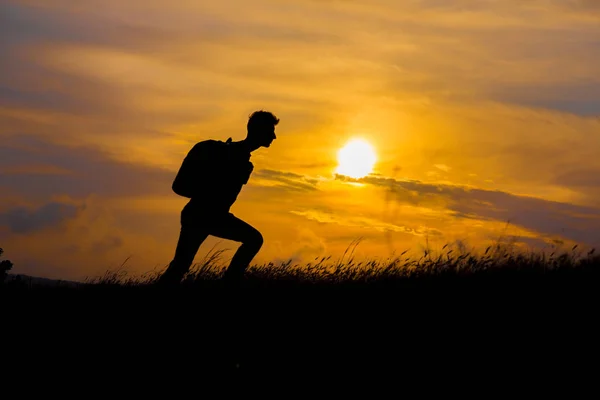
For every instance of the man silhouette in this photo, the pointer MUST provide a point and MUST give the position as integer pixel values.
(212, 175)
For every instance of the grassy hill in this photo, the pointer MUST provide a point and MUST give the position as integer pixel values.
(498, 316)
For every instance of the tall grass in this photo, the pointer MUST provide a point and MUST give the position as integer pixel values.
(451, 261)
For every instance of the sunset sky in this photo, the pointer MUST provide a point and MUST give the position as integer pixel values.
(484, 116)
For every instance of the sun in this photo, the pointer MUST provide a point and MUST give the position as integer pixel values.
(356, 159)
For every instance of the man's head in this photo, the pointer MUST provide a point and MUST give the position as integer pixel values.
(261, 128)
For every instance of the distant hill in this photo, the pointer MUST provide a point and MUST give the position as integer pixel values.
(38, 281)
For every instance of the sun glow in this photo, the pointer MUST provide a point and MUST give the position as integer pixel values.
(356, 159)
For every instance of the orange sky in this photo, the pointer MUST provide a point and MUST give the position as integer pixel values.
(480, 113)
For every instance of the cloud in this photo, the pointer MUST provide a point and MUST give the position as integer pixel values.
(106, 244)
(346, 220)
(463, 49)
(83, 171)
(307, 245)
(548, 218)
(579, 176)
(581, 98)
(22, 220)
(287, 180)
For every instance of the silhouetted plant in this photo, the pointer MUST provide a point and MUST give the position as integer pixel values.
(5, 266)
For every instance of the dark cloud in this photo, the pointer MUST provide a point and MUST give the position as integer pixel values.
(87, 171)
(289, 180)
(579, 177)
(26, 83)
(576, 98)
(75, 97)
(107, 244)
(519, 49)
(22, 220)
(585, 7)
(20, 24)
(31, 35)
(577, 223)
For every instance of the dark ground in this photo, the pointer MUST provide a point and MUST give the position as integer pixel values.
(499, 331)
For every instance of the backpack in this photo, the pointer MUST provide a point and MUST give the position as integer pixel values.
(198, 167)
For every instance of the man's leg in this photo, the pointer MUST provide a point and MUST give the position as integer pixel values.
(190, 239)
(233, 228)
